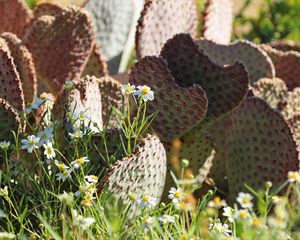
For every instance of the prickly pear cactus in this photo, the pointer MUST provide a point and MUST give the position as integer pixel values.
(256, 61)
(14, 16)
(261, 147)
(64, 3)
(286, 45)
(217, 21)
(60, 46)
(143, 172)
(161, 20)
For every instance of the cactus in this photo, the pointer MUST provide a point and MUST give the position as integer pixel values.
(285, 45)
(14, 16)
(257, 62)
(142, 172)
(60, 46)
(64, 3)
(217, 21)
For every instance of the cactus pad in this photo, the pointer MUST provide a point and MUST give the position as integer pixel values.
(295, 126)
(217, 21)
(261, 147)
(96, 65)
(272, 90)
(10, 121)
(290, 106)
(86, 98)
(225, 87)
(111, 96)
(286, 65)
(14, 15)
(161, 20)
(63, 3)
(179, 109)
(142, 173)
(11, 86)
(60, 45)
(24, 63)
(256, 61)
(46, 9)
(285, 45)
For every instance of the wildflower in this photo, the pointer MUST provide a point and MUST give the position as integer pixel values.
(79, 162)
(61, 166)
(66, 198)
(229, 213)
(85, 188)
(76, 135)
(256, 223)
(69, 85)
(293, 177)
(36, 103)
(132, 197)
(127, 89)
(188, 203)
(45, 136)
(217, 202)
(6, 235)
(82, 222)
(176, 195)
(221, 228)
(148, 222)
(49, 151)
(4, 191)
(241, 214)
(146, 201)
(275, 222)
(30, 143)
(145, 93)
(64, 175)
(244, 199)
(91, 179)
(276, 199)
(166, 219)
(4, 145)
(87, 200)
(80, 190)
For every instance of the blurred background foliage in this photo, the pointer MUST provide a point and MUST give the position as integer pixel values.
(259, 20)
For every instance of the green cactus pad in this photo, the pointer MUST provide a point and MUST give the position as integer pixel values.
(50, 9)
(143, 172)
(60, 45)
(11, 86)
(86, 98)
(256, 61)
(225, 86)
(179, 109)
(24, 63)
(113, 20)
(10, 121)
(286, 65)
(14, 16)
(261, 147)
(161, 20)
(272, 90)
(286, 45)
(96, 65)
(111, 96)
(290, 106)
(218, 20)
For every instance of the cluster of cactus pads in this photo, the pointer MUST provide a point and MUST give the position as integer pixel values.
(232, 108)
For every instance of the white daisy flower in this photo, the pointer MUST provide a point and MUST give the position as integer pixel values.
(241, 214)
(245, 200)
(63, 175)
(82, 222)
(221, 228)
(146, 201)
(61, 166)
(30, 143)
(7, 235)
(49, 150)
(76, 135)
(176, 195)
(294, 177)
(91, 179)
(145, 93)
(166, 219)
(216, 202)
(229, 213)
(45, 136)
(127, 89)
(148, 222)
(4, 145)
(79, 162)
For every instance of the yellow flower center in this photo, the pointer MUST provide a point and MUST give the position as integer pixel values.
(61, 166)
(256, 222)
(31, 142)
(49, 150)
(217, 200)
(44, 136)
(94, 178)
(65, 173)
(80, 161)
(145, 90)
(177, 194)
(146, 198)
(128, 90)
(243, 214)
(246, 200)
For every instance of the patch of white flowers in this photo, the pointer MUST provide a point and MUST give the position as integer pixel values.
(140, 91)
